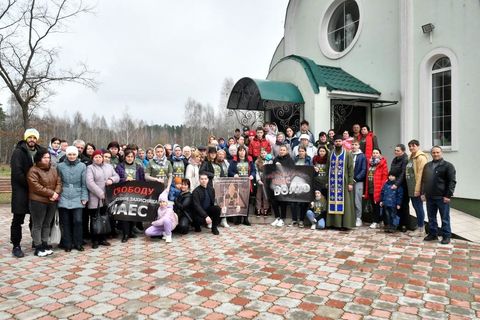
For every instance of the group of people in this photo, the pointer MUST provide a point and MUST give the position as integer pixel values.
(349, 171)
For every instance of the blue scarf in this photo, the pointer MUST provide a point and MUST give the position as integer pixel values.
(336, 183)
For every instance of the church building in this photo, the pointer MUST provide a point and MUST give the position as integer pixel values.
(407, 68)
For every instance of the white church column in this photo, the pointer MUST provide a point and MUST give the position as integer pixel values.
(408, 129)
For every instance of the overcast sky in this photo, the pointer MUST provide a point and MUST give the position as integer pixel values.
(152, 55)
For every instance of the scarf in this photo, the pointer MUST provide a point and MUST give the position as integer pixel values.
(175, 158)
(374, 162)
(54, 152)
(161, 162)
(336, 183)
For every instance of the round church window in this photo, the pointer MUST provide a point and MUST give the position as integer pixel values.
(340, 28)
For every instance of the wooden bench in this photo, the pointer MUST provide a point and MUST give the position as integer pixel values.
(5, 185)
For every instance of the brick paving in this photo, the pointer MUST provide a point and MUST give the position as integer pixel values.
(257, 272)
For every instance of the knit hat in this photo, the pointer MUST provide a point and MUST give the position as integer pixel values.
(177, 180)
(71, 149)
(97, 152)
(31, 132)
(304, 136)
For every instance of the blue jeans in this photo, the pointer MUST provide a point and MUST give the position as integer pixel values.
(418, 206)
(434, 205)
(320, 221)
(72, 227)
(390, 216)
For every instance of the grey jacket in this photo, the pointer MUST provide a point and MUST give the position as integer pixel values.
(97, 176)
(74, 185)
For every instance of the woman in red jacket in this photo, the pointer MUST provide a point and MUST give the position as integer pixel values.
(377, 174)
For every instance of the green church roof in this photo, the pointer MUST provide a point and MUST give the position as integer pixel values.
(333, 78)
(255, 94)
(278, 91)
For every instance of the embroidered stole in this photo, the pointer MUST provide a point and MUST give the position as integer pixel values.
(336, 183)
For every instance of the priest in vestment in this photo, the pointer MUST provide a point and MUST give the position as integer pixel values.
(341, 209)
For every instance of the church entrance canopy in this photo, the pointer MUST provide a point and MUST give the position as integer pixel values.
(282, 99)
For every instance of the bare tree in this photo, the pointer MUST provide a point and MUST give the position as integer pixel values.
(28, 64)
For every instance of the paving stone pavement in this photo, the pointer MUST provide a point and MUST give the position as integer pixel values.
(257, 272)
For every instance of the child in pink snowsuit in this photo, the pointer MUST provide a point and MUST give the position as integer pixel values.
(166, 221)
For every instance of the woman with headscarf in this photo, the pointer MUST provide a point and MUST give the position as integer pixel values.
(55, 151)
(159, 169)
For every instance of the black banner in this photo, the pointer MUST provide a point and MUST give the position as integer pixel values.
(134, 200)
(292, 184)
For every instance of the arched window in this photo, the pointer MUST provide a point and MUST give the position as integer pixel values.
(442, 102)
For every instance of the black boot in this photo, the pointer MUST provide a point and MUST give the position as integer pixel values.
(246, 222)
(238, 220)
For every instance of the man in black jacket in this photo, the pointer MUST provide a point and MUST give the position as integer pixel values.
(438, 185)
(203, 204)
(21, 161)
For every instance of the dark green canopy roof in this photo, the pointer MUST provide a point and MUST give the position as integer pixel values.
(254, 94)
(333, 78)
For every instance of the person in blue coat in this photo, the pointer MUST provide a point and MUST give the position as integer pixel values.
(73, 198)
(359, 174)
(391, 201)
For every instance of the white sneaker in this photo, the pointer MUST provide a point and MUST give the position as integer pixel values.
(41, 254)
(224, 223)
(168, 239)
(293, 223)
(313, 227)
(421, 232)
(209, 226)
(275, 222)
(280, 223)
(374, 225)
(48, 251)
(359, 223)
(300, 224)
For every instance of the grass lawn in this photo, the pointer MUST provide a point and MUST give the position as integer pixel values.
(4, 170)
(5, 198)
